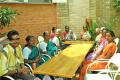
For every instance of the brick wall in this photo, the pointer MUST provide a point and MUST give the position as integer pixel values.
(92, 10)
(63, 15)
(33, 19)
(73, 14)
(78, 11)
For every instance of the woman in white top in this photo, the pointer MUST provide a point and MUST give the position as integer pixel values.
(31, 53)
(85, 35)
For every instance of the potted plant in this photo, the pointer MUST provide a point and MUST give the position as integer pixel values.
(6, 14)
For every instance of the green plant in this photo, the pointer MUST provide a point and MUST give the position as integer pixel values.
(113, 21)
(110, 23)
(117, 6)
(6, 14)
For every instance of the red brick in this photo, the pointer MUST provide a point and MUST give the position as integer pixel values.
(34, 19)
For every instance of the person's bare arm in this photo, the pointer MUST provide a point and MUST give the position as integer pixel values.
(97, 53)
(22, 65)
(107, 56)
(11, 72)
(47, 54)
(32, 61)
(25, 71)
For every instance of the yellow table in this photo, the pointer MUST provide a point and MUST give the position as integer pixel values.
(76, 42)
(65, 63)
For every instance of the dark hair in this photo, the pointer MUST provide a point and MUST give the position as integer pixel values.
(111, 33)
(106, 29)
(66, 27)
(11, 33)
(44, 34)
(53, 28)
(28, 38)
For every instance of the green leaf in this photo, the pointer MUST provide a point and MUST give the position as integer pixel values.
(6, 14)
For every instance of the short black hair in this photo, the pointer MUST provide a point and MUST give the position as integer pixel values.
(53, 28)
(66, 27)
(44, 34)
(111, 33)
(11, 33)
(29, 37)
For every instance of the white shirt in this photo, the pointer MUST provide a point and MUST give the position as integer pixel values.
(98, 37)
(42, 46)
(69, 35)
(26, 52)
(56, 41)
(86, 35)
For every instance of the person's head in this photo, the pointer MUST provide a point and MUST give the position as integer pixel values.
(30, 40)
(46, 35)
(85, 28)
(67, 28)
(101, 29)
(97, 31)
(110, 36)
(52, 35)
(58, 32)
(88, 20)
(54, 29)
(105, 30)
(13, 36)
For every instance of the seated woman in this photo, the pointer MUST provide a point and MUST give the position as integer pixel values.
(85, 35)
(42, 45)
(57, 40)
(97, 35)
(107, 53)
(99, 48)
(97, 39)
(31, 54)
(102, 36)
(51, 47)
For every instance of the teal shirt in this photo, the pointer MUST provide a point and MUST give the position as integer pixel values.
(51, 48)
(34, 53)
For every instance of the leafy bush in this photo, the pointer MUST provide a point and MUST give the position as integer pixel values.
(117, 6)
(5, 15)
